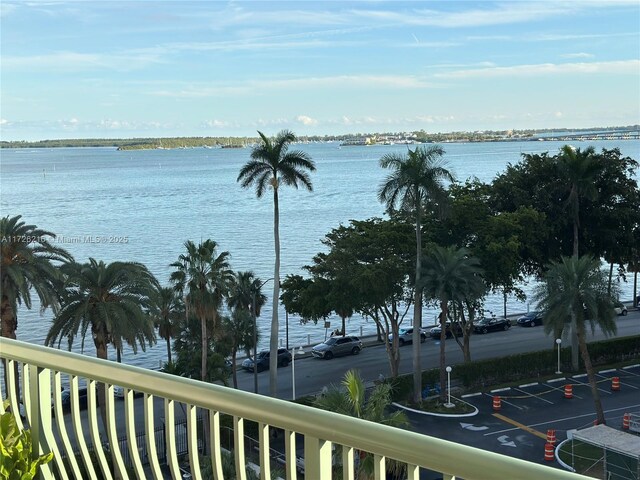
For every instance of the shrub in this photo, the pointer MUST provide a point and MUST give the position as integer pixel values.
(17, 456)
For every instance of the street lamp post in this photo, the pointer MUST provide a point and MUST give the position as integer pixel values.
(294, 352)
(255, 333)
(449, 404)
(558, 342)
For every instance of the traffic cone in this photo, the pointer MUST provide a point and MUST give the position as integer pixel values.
(497, 402)
(615, 384)
(568, 391)
(548, 452)
(551, 436)
(626, 420)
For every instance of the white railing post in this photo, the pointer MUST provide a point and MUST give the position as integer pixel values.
(317, 458)
(40, 413)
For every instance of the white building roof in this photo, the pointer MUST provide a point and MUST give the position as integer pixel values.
(616, 440)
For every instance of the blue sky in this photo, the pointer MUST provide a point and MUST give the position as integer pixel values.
(115, 69)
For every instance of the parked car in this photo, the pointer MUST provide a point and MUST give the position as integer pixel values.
(491, 325)
(82, 399)
(530, 319)
(284, 359)
(405, 336)
(620, 308)
(435, 331)
(336, 346)
(118, 392)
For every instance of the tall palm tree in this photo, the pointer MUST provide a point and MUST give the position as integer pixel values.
(27, 261)
(353, 400)
(166, 310)
(417, 178)
(579, 169)
(449, 275)
(575, 291)
(272, 164)
(202, 278)
(108, 302)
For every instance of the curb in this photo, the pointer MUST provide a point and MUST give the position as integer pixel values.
(446, 415)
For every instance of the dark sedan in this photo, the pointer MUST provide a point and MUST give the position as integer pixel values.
(530, 319)
(284, 359)
(494, 324)
(435, 331)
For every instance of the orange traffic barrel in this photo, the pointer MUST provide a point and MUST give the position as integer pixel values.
(626, 420)
(568, 391)
(548, 452)
(497, 402)
(615, 384)
(551, 436)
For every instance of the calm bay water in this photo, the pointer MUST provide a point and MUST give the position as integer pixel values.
(143, 205)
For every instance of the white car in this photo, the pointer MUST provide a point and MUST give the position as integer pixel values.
(620, 309)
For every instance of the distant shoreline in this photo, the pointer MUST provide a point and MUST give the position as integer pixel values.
(631, 132)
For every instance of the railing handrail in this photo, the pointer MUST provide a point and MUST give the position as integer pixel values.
(413, 448)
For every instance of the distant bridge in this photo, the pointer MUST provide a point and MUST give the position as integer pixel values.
(594, 136)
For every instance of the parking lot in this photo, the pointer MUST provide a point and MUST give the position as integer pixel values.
(519, 427)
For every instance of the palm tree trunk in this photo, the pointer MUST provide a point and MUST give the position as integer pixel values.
(8, 327)
(273, 342)
(610, 278)
(443, 340)
(204, 346)
(233, 368)
(417, 308)
(504, 301)
(575, 364)
(592, 378)
(169, 349)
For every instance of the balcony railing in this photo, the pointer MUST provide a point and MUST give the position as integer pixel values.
(328, 438)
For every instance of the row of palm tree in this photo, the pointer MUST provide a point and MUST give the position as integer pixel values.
(121, 303)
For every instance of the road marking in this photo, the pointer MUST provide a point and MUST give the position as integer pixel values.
(621, 383)
(608, 371)
(558, 420)
(505, 401)
(473, 428)
(528, 384)
(471, 395)
(556, 380)
(637, 365)
(500, 390)
(504, 441)
(521, 426)
(580, 376)
(562, 390)
(587, 384)
(535, 396)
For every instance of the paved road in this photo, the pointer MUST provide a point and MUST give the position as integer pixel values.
(312, 373)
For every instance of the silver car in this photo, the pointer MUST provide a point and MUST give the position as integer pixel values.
(405, 336)
(336, 346)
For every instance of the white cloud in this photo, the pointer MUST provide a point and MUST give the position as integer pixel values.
(577, 55)
(217, 124)
(494, 14)
(622, 67)
(73, 61)
(6, 9)
(306, 121)
(255, 87)
(4, 121)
